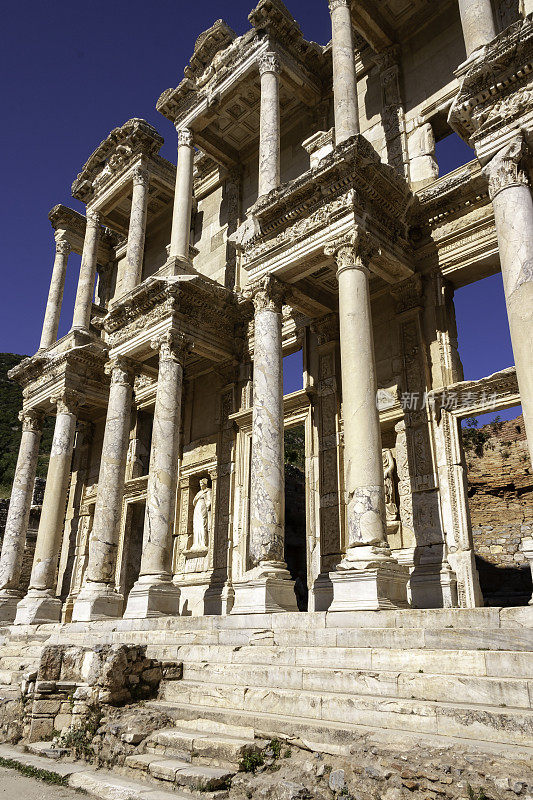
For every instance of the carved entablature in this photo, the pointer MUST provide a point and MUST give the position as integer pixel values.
(114, 155)
(295, 221)
(208, 44)
(468, 398)
(203, 311)
(452, 222)
(496, 95)
(73, 223)
(80, 369)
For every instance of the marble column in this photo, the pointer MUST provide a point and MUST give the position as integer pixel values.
(41, 604)
(132, 274)
(267, 586)
(344, 77)
(154, 594)
(55, 293)
(513, 214)
(181, 215)
(269, 128)
(84, 295)
(18, 514)
(477, 21)
(98, 598)
(367, 577)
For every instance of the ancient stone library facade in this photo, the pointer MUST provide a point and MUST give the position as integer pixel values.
(304, 212)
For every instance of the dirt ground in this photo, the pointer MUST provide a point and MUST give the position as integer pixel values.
(14, 786)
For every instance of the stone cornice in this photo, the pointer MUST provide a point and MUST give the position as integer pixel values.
(121, 147)
(497, 88)
(208, 44)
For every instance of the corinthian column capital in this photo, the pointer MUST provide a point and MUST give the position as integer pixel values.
(172, 346)
(334, 4)
(121, 370)
(32, 420)
(63, 246)
(185, 137)
(67, 401)
(141, 177)
(94, 218)
(508, 167)
(354, 251)
(269, 62)
(267, 294)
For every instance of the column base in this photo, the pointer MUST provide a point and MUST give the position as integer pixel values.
(152, 598)
(372, 582)
(9, 600)
(267, 591)
(97, 601)
(39, 607)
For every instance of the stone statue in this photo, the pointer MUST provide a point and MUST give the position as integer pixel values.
(388, 471)
(201, 520)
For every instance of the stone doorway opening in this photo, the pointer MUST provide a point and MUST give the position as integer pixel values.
(295, 513)
(133, 542)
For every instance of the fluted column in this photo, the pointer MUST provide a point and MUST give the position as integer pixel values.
(477, 21)
(154, 593)
(367, 555)
(18, 514)
(41, 604)
(132, 274)
(269, 128)
(98, 598)
(55, 293)
(181, 216)
(268, 586)
(84, 295)
(344, 76)
(513, 214)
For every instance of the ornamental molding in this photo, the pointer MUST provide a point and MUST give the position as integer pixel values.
(185, 138)
(497, 89)
(508, 167)
(121, 370)
(335, 4)
(63, 246)
(121, 147)
(409, 294)
(32, 420)
(141, 177)
(67, 401)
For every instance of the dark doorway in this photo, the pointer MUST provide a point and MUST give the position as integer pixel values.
(133, 542)
(295, 528)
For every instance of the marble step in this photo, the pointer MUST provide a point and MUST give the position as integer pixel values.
(444, 718)
(513, 692)
(195, 777)
(492, 663)
(216, 747)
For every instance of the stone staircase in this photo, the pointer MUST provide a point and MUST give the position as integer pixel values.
(443, 674)
(20, 650)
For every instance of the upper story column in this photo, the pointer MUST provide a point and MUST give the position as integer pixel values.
(344, 76)
(98, 598)
(137, 230)
(41, 604)
(269, 130)
(268, 587)
(154, 593)
(181, 216)
(367, 578)
(477, 21)
(510, 193)
(55, 294)
(84, 295)
(18, 514)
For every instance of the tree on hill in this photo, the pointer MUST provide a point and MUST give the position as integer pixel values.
(11, 427)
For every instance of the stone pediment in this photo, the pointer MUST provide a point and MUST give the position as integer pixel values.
(114, 155)
(208, 44)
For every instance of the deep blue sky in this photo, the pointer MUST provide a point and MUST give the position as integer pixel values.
(71, 72)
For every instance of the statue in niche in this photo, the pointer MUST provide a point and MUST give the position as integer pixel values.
(201, 520)
(388, 471)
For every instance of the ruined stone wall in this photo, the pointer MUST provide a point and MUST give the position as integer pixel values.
(500, 492)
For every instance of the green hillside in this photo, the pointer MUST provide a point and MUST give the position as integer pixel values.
(11, 429)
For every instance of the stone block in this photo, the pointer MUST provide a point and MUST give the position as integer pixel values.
(372, 589)
(266, 595)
